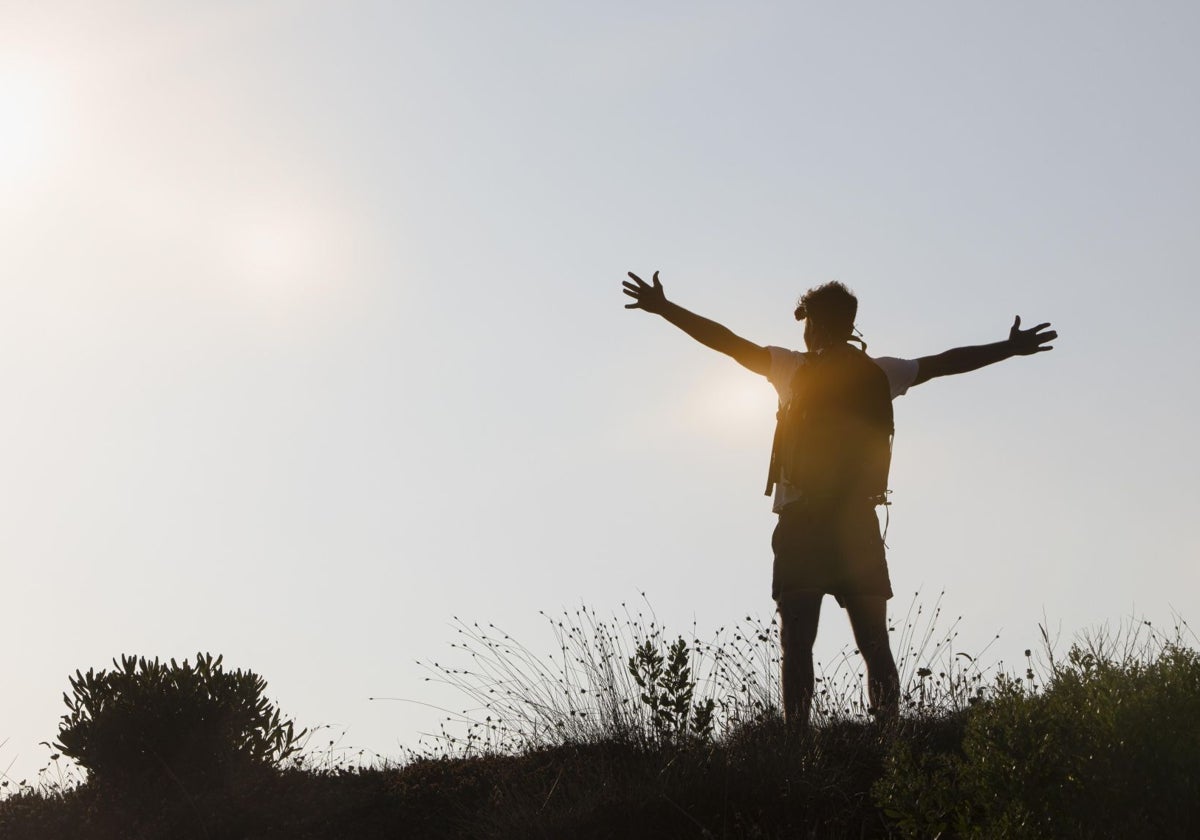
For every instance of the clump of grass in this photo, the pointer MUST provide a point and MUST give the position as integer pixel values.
(620, 678)
(588, 689)
(54, 779)
(322, 751)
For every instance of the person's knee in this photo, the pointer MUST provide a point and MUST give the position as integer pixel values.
(869, 622)
(798, 619)
(795, 637)
(797, 643)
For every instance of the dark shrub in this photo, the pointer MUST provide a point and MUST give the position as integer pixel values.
(1111, 748)
(147, 723)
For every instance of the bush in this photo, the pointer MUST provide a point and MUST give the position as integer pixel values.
(147, 722)
(1110, 748)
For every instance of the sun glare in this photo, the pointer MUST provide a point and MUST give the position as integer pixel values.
(283, 253)
(28, 114)
(735, 402)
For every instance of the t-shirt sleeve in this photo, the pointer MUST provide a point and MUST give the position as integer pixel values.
(901, 373)
(783, 367)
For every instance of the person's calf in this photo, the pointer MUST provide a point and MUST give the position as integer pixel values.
(883, 688)
(797, 687)
(798, 619)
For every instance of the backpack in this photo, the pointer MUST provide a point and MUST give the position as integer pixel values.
(833, 438)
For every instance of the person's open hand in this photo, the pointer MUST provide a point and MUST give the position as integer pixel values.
(645, 296)
(1030, 341)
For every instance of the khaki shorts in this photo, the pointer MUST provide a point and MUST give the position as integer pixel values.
(837, 551)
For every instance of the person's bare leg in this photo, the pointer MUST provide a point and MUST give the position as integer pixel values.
(798, 617)
(868, 619)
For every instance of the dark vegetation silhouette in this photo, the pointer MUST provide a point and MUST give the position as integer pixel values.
(147, 725)
(626, 730)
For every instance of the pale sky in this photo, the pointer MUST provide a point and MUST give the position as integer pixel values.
(312, 336)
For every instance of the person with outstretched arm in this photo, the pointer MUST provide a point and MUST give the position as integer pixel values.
(828, 469)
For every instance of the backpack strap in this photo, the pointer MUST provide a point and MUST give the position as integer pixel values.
(774, 468)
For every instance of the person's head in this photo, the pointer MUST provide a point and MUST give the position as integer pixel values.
(828, 312)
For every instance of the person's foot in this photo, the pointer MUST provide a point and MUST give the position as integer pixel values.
(796, 728)
(886, 714)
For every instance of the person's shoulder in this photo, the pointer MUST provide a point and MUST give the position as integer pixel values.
(901, 373)
(784, 363)
(785, 352)
(892, 362)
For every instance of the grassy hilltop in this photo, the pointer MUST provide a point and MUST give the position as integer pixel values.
(625, 732)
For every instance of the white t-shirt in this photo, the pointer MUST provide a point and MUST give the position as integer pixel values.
(901, 373)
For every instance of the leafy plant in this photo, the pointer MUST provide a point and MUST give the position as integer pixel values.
(191, 724)
(666, 688)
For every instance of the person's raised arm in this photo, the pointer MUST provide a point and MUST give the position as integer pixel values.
(964, 359)
(649, 297)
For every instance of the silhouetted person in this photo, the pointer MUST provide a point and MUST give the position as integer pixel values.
(828, 470)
